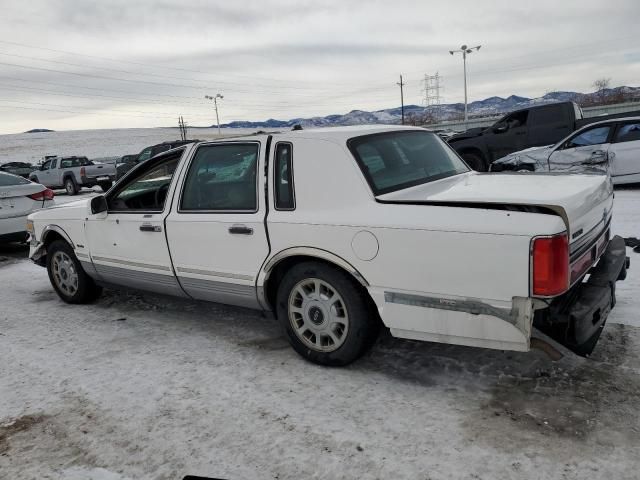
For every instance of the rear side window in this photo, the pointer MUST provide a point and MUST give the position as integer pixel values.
(629, 132)
(283, 177)
(7, 180)
(222, 177)
(53, 164)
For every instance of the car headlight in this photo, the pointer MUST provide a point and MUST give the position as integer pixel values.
(30, 228)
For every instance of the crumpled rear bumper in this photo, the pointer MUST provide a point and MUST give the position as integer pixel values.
(577, 318)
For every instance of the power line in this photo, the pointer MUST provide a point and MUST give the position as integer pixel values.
(164, 67)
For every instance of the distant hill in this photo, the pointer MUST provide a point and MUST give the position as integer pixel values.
(39, 130)
(488, 107)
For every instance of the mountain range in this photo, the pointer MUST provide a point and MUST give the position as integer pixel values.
(488, 107)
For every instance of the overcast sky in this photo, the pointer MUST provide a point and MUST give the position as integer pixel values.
(70, 64)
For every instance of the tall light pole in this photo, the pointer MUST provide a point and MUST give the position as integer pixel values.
(464, 50)
(215, 104)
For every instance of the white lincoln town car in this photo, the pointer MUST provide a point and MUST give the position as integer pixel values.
(339, 231)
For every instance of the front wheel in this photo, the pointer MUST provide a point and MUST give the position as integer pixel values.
(326, 317)
(67, 276)
(70, 186)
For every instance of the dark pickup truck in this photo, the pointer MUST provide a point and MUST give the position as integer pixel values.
(529, 127)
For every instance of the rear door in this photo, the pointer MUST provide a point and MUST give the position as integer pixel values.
(549, 124)
(216, 229)
(624, 152)
(585, 150)
(127, 243)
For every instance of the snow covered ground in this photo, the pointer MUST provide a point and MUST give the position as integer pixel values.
(143, 386)
(31, 147)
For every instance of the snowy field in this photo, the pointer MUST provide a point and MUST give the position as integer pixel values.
(139, 386)
(31, 147)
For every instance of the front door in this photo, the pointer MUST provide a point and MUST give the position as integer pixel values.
(45, 176)
(127, 244)
(216, 230)
(624, 153)
(508, 136)
(587, 150)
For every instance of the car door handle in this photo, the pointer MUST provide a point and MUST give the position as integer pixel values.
(150, 228)
(598, 153)
(240, 230)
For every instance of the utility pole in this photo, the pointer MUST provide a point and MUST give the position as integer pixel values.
(464, 50)
(401, 84)
(215, 104)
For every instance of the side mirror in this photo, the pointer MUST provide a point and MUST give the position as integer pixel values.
(500, 128)
(98, 204)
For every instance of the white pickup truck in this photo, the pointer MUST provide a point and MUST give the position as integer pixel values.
(73, 173)
(337, 231)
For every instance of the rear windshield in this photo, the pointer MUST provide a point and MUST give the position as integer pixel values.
(395, 160)
(7, 180)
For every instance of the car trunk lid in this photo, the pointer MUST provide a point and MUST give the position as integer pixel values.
(15, 201)
(583, 201)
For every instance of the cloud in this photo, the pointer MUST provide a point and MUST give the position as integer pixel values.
(285, 58)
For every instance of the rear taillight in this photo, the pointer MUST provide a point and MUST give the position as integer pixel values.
(82, 172)
(550, 264)
(43, 195)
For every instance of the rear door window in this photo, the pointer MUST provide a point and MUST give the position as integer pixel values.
(628, 132)
(222, 177)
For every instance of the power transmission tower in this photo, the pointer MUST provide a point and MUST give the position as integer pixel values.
(432, 98)
(401, 84)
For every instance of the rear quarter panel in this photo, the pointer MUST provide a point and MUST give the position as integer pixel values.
(436, 251)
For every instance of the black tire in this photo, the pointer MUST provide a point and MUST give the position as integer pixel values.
(105, 186)
(87, 291)
(475, 161)
(363, 324)
(70, 186)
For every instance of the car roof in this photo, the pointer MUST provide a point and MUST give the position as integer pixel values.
(613, 120)
(332, 134)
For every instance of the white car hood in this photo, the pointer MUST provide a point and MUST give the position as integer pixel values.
(76, 210)
(583, 201)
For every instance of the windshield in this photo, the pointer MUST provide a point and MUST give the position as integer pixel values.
(395, 160)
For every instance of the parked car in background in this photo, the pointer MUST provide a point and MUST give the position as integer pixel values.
(610, 146)
(127, 162)
(525, 128)
(18, 198)
(73, 173)
(22, 169)
(406, 235)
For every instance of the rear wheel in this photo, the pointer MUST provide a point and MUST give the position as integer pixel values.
(325, 315)
(67, 276)
(475, 161)
(70, 186)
